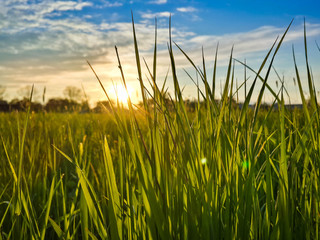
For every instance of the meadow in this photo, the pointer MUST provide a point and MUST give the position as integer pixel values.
(159, 171)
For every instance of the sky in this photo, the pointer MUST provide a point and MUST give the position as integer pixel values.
(48, 43)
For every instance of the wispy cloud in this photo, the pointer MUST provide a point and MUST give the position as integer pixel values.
(46, 7)
(18, 16)
(111, 4)
(150, 15)
(245, 43)
(158, 2)
(38, 47)
(186, 9)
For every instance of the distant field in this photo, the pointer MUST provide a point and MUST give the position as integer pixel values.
(163, 172)
(83, 175)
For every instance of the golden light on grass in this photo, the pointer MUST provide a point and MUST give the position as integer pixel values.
(152, 180)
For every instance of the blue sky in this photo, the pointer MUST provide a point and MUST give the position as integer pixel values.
(47, 42)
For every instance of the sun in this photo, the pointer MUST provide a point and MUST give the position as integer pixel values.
(121, 94)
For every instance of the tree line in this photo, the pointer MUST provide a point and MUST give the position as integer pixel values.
(74, 100)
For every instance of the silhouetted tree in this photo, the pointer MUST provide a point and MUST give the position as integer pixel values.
(84, 107)
(62, 105)
(23, 105)
(265, 106)
(25, 92)
(73, 93)
(4, 106)
(102, 107)
(19, 105)
(36, 107)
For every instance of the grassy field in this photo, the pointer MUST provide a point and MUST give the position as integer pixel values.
(161, 172)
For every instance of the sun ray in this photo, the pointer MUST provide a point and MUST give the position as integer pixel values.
(121, 94)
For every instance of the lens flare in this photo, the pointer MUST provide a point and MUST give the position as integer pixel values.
(203, 161)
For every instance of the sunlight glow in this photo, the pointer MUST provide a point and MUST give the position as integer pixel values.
(203, 161)
(121, 94)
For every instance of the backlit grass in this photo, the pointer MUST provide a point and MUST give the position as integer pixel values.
(160, 172)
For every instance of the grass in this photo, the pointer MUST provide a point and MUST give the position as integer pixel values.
(160, 172)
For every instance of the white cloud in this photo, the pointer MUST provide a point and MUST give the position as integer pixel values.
(158, 2)
(17, 16)
(35, 48)
(150, 15)
(46, 7)
(111, 4)
(186, 9)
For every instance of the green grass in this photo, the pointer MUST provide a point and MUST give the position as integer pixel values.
(161, 172)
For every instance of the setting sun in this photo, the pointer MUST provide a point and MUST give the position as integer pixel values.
(118, 121)
(121, 94)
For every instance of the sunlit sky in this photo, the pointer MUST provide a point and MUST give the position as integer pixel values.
(47, 42)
